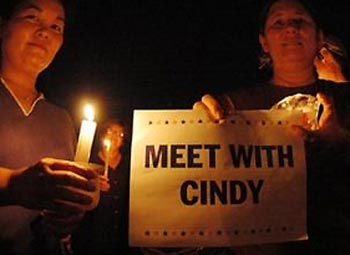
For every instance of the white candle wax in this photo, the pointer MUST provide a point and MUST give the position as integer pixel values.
(86, 136)
(107, 144)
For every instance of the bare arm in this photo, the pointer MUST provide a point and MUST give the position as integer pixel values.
(5, 176)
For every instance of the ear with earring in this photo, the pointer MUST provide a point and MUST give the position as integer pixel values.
(265, 60)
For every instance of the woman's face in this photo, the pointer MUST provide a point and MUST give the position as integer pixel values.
(116, 135)
(291, 35)
(33, 35)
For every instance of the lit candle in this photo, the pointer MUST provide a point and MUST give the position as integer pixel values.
(107, 144)
(86, 135)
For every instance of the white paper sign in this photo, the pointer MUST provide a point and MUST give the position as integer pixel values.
(196, 182)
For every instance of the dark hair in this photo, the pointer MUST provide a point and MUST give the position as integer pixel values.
(307, 4)
(9, 7)
(344, 64)
(265, 61)
(107, 124)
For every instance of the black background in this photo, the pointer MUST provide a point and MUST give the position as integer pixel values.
(125, 55)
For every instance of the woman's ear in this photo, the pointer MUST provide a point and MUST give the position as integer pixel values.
(263, 43)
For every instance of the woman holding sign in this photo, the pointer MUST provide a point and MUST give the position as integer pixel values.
(31, 128)
(290, 35)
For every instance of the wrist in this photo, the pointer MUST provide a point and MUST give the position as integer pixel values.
(7, 183)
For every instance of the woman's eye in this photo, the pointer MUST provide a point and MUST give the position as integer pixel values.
(57, 28)
(298, 22)
(31, 17)
(278, 24)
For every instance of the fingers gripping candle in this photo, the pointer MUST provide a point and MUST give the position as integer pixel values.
(82, 154)
(86, 136)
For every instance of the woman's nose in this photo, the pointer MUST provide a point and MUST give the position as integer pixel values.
(43, 32)
(291, 28)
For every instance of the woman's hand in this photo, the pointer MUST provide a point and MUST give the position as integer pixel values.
(56, 185)
(217, 109)
(104, 183)
(329, 129)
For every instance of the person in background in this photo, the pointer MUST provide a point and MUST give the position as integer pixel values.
(291, 36)
(332, 62)
(105, 229)
(43, 195)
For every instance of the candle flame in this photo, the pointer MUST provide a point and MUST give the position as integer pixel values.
(107, 144)
(89, 112)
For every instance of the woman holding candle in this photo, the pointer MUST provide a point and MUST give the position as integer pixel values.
(37, 191)
(104, 230)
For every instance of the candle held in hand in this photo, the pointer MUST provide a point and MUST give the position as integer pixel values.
(107, 145)
(86, 136)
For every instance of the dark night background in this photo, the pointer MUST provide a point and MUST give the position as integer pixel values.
(125, 55)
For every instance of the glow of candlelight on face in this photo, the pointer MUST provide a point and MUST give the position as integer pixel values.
(107, 145)
(86, 136)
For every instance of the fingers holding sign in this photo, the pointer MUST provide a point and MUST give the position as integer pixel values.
(329, 129)
(218, 108)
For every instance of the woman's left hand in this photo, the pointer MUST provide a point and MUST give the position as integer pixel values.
(104, 183)
(329, 129)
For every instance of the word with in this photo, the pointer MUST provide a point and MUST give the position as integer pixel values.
(270, 155)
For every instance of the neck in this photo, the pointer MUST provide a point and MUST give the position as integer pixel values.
(22, 89)
(19, 80)
(293, 78)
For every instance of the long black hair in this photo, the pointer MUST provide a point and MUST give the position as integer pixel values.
(308, 5)
(9, 7)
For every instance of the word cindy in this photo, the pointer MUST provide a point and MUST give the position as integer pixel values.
(224, 192)
(205, 155)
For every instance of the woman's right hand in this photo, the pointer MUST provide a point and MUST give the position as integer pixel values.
(217, 109)
(53, 184)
